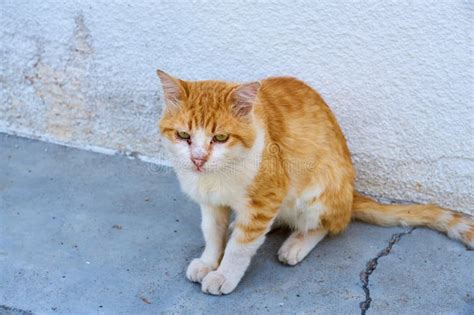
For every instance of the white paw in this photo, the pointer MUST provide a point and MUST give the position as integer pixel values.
(197, 270)
(292, 251)
(217, 283)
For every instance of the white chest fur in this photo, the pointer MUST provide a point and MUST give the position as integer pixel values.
(214, 188)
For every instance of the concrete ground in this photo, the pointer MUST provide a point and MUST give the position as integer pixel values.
(84, 233)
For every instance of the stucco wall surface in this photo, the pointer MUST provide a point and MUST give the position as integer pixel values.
(398, 74)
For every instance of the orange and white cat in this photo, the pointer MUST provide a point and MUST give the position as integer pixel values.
(272, 152)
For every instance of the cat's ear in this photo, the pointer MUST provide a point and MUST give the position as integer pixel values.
(172, 89)
(244, 97)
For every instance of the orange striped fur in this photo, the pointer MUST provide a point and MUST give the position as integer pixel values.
(284, 161)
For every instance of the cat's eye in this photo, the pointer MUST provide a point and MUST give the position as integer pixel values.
(221, 138)
(183, 135)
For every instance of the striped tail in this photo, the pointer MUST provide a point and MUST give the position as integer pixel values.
(456, 225)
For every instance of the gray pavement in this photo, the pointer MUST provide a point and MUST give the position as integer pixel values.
(86, 233)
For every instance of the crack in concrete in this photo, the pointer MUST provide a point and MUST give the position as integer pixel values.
(372, 265)
(11, 310)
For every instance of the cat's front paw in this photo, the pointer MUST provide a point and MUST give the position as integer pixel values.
(217, 283)
(197, 270)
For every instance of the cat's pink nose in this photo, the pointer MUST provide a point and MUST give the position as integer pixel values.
(198, 162)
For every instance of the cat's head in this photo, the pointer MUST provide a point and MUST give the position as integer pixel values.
(207, 126)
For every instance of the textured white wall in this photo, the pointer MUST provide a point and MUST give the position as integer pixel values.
(398, 74)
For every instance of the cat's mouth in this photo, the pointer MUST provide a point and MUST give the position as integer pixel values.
(199, 169)
(199, 163)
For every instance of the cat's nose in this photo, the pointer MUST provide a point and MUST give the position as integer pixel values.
(199, 162)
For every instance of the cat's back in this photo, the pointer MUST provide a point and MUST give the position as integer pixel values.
(285, 84)
(298, 119)
(290, 88)
(289, 99)
(290, 106)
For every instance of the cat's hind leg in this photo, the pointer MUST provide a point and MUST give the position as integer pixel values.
(299, 244)
(304, 217)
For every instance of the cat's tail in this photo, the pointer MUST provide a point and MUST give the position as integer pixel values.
(456, 225)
